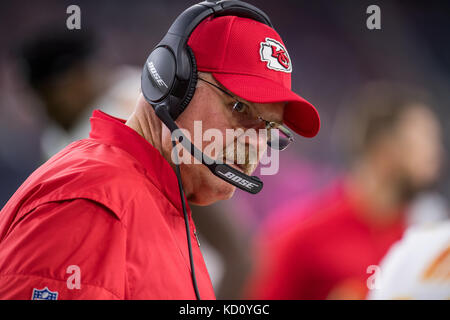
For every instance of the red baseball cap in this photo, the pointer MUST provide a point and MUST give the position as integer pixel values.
(250, 59)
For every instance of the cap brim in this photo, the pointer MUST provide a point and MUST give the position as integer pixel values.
(299, 115)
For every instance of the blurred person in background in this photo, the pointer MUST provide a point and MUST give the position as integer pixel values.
(62, 70)
(417, 267)
(56, 66)
(324, 250)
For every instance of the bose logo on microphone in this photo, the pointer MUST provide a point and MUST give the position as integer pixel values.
(155, 74)
(239, 180)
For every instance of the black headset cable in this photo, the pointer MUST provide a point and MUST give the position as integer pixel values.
(186, 219)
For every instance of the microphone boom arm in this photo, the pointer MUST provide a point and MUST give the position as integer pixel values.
(251, 184)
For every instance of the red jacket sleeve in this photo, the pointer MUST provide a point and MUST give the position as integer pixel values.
(65, 250)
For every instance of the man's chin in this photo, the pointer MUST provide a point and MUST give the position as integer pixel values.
(214, 191)
(221, 190)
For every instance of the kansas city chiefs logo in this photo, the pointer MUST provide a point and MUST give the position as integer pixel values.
(276, 56)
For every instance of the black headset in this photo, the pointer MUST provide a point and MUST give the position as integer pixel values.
(169, 78)
(168, 83)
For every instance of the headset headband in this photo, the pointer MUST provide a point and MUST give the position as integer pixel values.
(180, 30)
(175, 43)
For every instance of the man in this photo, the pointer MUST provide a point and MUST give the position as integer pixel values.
(50, 60)
(330, 247)
(102, 219)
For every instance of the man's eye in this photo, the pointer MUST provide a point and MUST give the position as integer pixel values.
(239, 106)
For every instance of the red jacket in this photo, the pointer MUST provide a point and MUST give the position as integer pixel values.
(102, 219)
(324, 249)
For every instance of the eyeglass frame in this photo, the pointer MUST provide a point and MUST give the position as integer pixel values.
(268, 124)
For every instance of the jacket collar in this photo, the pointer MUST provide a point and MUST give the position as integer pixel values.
(113, 131)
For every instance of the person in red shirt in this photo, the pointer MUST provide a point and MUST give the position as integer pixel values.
(330, 247)
(106, 217)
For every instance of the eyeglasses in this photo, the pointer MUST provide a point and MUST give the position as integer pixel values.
(278, 136)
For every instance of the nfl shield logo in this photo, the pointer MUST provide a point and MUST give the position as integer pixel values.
(44, 294)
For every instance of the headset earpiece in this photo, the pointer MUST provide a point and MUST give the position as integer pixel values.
(192, 83)
(158, 75)
(160, 83)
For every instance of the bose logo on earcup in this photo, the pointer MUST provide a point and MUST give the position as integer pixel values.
(155, 74)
